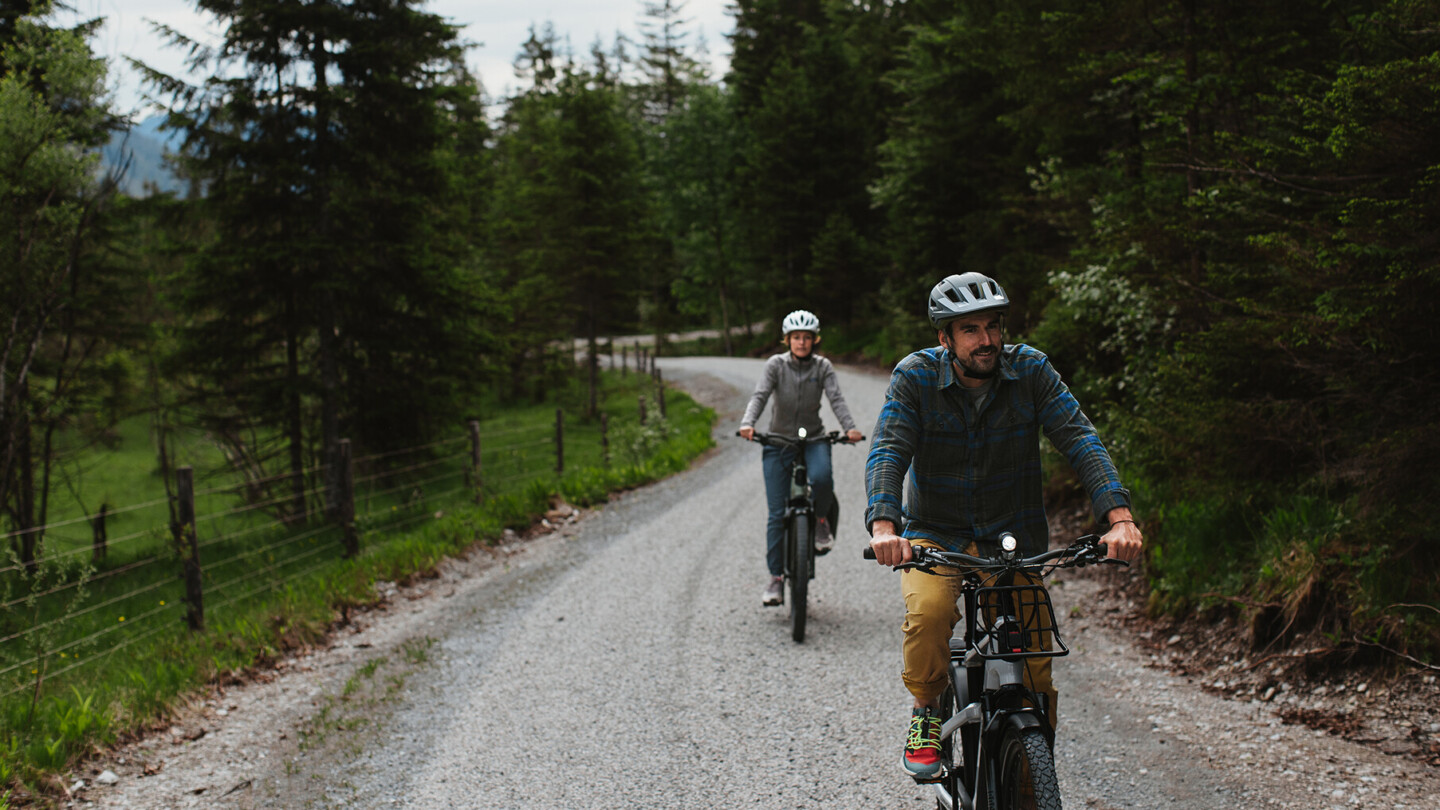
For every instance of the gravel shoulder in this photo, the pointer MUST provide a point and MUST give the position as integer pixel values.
(678, 691)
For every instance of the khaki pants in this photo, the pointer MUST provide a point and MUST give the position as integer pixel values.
(932, 610)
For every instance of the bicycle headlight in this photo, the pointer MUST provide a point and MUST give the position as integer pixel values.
(1008, 543)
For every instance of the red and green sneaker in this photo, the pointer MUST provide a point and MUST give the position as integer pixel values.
(922, 745)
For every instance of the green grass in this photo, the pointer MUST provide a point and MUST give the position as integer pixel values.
(90, 653)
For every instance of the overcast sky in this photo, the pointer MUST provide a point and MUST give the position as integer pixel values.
(499, 27)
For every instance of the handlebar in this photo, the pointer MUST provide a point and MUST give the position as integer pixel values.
(1086, 550)
(833, 437)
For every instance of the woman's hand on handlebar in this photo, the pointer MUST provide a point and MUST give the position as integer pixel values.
(890, 548)
(747, 433)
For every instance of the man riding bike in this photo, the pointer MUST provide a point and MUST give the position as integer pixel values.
(796, 379)
(964, 420)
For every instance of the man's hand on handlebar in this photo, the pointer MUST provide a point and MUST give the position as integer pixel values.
(890, 548)
(1124, 537)
(853, 436)
(747, 433)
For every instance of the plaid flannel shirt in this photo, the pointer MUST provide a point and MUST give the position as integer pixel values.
(975, 472)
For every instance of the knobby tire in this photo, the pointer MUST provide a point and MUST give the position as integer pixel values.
(1027, 772)
(799, 575)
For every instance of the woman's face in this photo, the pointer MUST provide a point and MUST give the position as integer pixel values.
(801, 343)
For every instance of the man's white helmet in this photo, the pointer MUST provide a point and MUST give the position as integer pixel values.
(965, 294)
(800, 320)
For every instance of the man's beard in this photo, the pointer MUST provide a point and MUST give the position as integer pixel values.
(980, 374)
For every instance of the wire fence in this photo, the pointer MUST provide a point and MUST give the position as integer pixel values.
(77, 606)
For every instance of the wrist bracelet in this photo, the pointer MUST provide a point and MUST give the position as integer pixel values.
(1125, 520)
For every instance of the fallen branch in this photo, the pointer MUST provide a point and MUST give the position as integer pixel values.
(1417, 662)
(1412, 605)
(1304, 654)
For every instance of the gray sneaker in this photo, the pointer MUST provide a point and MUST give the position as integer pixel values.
(824, 538)
(774, 592)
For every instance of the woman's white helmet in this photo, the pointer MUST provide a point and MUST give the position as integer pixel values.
(801, 320)
(965, 294)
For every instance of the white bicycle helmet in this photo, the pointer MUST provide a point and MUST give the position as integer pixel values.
(965, 294)
(800, 320)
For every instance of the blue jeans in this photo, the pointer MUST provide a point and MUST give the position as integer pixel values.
(776, 463)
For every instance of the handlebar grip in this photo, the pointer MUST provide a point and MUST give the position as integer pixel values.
(868, 553)
(1103, 549)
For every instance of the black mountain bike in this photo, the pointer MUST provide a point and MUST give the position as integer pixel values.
(997, 740)
(800, 522)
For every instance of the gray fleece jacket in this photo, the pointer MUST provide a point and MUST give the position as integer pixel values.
(797, 385)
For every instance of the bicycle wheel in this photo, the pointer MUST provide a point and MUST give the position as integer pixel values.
(1027, 772)
(800, 551)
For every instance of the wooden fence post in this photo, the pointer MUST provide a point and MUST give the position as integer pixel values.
(188, 545)
(605, 438)
(624, 360)
(476, 480)
(345, 511)
(642, 409)
(660, 392)
(99, 546)
(559, 441)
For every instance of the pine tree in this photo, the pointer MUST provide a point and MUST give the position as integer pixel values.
(59, 296)
(331, 280)
(810, 116)
(571, 217)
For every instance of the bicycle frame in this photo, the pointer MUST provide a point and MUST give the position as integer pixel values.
(989, 661)
(987, 709)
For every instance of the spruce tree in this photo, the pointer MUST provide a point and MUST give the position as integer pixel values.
(331, 285)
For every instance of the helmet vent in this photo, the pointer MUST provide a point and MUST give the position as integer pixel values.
(952, 295)
(975, 291)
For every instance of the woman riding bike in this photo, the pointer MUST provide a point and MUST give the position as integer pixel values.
(796, 379)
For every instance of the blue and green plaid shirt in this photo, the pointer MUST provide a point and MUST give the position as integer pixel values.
(974, 472)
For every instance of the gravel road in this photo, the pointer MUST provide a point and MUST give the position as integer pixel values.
(625, 661)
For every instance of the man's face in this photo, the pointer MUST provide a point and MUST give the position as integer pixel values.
(801, 342)
(975, 341)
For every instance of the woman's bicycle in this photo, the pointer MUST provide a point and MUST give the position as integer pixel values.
(800, 522)
(996, 736)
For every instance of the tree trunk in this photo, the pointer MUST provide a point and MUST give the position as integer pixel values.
(725, 320)
(328, 322)
(294, 427)
(23, 511)
(593, 363)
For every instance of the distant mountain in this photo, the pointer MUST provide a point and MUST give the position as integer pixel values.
(145, 146)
